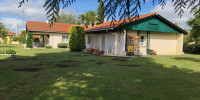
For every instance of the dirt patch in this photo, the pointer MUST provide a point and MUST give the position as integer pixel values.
(100, 63)
(120, 59)
(92, 60)
(130, 65)
(64, 65)
(28, 69)
(69, 61)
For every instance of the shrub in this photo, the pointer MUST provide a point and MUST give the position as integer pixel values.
(194, 49)
(22, 38)
(62, 45)
(10, 51)
(5, 40)
(48, 47)
(11, 39)
(76, 38)
(29, 42)
(16, 38)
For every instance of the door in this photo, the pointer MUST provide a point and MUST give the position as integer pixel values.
(103, 42)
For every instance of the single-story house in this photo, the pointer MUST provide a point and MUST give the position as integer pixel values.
(44, 34)
(8, 36)
(153, 32)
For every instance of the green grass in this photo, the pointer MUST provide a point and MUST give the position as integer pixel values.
(91, 77)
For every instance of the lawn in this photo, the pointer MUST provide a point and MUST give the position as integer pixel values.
(58, 74)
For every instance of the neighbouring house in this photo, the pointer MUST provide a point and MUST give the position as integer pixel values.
(44, 34)
(8, 36)
(148, 32)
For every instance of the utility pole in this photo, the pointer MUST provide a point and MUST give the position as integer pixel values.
(17, 26)
(23, 20)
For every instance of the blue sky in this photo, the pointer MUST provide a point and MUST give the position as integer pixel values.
(34, 11)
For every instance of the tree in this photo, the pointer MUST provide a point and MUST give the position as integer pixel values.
(122, 8)
(29, 41)
(76, 38)
(194, 23)
(69, 18)
(3, 31)
(100, 13)
(89, 18)
(23, 37)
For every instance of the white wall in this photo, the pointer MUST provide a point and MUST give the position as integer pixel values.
(113, 40)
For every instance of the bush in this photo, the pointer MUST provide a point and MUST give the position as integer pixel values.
(62, 45)
(194, 49)
(11, 39)
(29, 42)
(16, 38)
(10, 51)
(5, 40)
(48, 47)
(76, 38)
(22, 38)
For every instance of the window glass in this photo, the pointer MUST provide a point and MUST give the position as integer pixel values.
(65, 39)
(89, 39)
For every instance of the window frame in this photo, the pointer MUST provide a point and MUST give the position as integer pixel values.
(65, 39)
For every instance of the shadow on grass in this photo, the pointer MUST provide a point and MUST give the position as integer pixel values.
(187, 58)
(88, 80)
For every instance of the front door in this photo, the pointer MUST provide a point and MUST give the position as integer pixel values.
(103, 42)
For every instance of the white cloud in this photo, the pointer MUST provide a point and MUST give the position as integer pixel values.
(169, 13)
(33, 10)
(11, 23)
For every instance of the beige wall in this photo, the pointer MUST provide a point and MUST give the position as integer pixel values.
(55, 38)
(162, 43)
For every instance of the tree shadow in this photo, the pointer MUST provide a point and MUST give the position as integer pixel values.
(187, 58)
(87, 80)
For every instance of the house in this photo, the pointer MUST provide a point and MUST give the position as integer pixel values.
(44, 34)
(8, 36)
(148, 32)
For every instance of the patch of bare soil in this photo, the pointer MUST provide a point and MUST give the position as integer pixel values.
(119, 59)
(64, 65)
(92, 60)
(100, 63)
(69, 61)
(28, 69)
(130, 65)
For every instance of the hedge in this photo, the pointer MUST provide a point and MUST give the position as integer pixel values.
(194, 49)
(76, 38)
(62, 45)
(29, 42)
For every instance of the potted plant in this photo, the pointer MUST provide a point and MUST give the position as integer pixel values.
(88, 49)
(102, 52)
(97, 51)
(92, 50)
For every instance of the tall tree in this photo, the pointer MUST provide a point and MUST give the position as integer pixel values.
(69, 18)
(122, 8)
(194, 23)
(3, 31)
(89, 18)
(100, 13)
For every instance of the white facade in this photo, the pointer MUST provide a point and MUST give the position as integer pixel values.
(112, 43)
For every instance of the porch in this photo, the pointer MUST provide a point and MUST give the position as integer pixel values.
(41, 40)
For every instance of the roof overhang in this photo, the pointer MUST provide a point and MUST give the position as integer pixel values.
(46, 31)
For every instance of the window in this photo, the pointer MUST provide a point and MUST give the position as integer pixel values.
(141, 40)
(65, 39)
(89, 39)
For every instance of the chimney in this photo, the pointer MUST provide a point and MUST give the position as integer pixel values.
(47, 21)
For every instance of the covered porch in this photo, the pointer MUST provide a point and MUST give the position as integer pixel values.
(41, 40)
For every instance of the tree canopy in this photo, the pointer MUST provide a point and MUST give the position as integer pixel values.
(100, 13)
(122, 8)
(194, 23)
(3, 30)
(89, 18)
